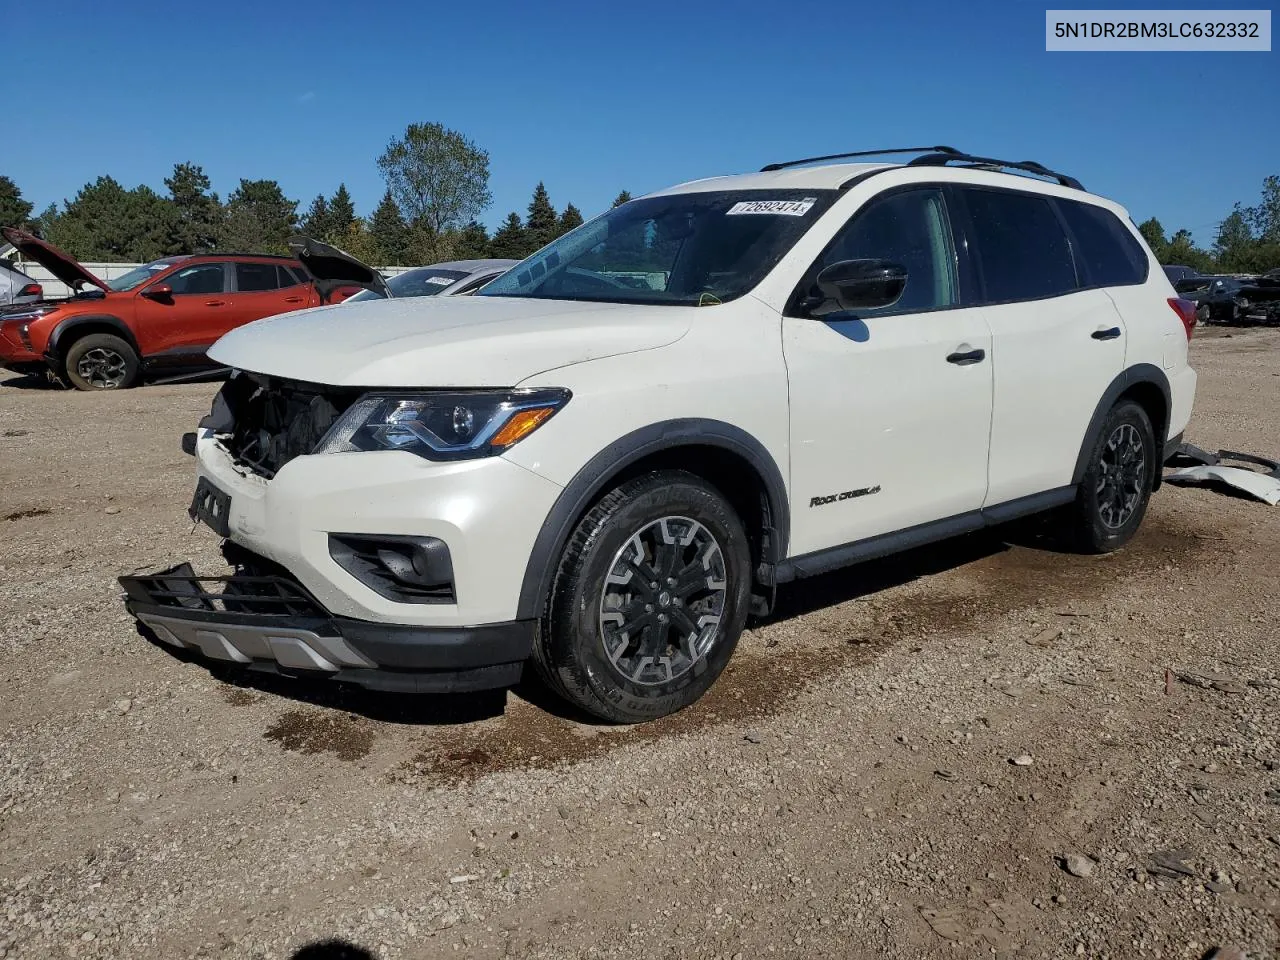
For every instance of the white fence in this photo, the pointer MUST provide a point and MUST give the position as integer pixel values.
(109, 271)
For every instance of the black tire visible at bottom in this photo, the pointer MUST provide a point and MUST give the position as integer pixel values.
(1116, 487)
(101, 361)
(651, 595)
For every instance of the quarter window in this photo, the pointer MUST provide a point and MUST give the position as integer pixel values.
(203, 278)
(1106, 252)
(909, 228)
(1021, 244)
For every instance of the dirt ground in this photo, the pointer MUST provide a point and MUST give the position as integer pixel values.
(903, 762)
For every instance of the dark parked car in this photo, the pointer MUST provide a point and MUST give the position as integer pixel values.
(1233, 300)
(1178, 273)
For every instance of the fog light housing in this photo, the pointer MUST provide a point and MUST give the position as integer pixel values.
(399, 568)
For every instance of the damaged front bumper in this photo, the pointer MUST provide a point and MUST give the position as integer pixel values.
(265, 620)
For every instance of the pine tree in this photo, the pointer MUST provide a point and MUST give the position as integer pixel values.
(540, 228)
(471, 242)
(509, 241)
(390, 233)
(342, 213)
(14, 211)
(317, 222)
(569, 220)
(197, 212)
(620, 199)
(260, 218)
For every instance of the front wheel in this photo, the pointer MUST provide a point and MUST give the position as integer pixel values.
(101, 361)
(1116, 487)
(649, 600)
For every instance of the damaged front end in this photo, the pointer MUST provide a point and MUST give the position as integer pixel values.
(264, 422)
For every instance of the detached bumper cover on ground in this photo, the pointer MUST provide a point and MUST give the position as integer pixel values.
(270, 623)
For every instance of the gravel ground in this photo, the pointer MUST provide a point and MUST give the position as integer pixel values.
(983, 748)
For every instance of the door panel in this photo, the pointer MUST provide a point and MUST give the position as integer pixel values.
(259, 292)
(1054, 359)
(890, 407)
(876, 406)
(190, 319)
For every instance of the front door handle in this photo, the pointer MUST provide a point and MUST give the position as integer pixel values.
(965, 358)
(293, 299)
(215, 303)
(1106, 333)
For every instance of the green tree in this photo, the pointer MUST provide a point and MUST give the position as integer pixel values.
(359, 241)
(342, 212)
(1153, 232)
(571, 219)
(107, 222)
(390, 233)
(1234, 247)
(439, 178)
(1265, 217)
(472, 242)
(620, 199)
(197, 213)
(540, 227)
(47, 220)
(14, 211)
(1182, 250)
(260, 218)
(509, 241)
(316, 222)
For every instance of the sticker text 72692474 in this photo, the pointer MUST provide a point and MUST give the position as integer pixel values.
(786, 208)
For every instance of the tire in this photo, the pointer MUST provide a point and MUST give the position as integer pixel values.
(1116, 487)
(101, 361)
(652, 526)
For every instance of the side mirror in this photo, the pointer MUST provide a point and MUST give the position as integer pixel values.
(159, 291)
(862, 284)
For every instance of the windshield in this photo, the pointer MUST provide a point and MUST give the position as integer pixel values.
(424, 282)
(140, 275)
(686, 248)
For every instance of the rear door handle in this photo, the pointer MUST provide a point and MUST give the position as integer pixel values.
(215, 303)
(1107, 333)
(965, 358)
(294, 299)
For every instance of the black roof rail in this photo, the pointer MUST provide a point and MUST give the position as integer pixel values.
(861, 153)
(942, 158)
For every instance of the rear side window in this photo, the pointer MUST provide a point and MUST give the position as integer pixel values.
(251, 277)
(1106, 253)
(287, 277)
(1024, 251)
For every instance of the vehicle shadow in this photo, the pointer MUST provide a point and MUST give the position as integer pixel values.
(334, 949)
(795, 599)
(31, 381)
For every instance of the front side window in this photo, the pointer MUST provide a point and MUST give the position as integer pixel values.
(140, 275)
(691, 249)
(1107, 253)
(908, 228)
(1022, 246)
(256, 277)
(203, 278)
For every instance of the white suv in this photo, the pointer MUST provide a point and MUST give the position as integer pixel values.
(609, 457)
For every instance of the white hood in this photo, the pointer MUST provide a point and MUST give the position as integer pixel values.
(444, 341)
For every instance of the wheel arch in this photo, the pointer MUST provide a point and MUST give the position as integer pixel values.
(72, 329)
(1148, 386)
(725, 456)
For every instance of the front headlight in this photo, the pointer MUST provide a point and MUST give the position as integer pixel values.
(443, 425)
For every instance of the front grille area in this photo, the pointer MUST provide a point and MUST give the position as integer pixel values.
(264, 422)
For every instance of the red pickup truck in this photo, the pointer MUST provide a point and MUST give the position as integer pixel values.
(156, 319)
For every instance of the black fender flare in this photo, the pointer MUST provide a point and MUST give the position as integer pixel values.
(64, 332)
(594, 477)
(1131, 377)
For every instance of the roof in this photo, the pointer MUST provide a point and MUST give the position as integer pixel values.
(829, 176)
(470, 266)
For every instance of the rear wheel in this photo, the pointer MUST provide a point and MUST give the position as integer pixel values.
(1113, 495)
(649, 600)
(101, 361)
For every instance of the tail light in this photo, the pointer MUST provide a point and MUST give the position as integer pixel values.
(1186, 311)
(31, 290)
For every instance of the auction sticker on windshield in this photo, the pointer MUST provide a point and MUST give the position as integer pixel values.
(440, 281)
(787, 208)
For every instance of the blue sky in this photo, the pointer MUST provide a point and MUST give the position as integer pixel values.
(595, 97)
